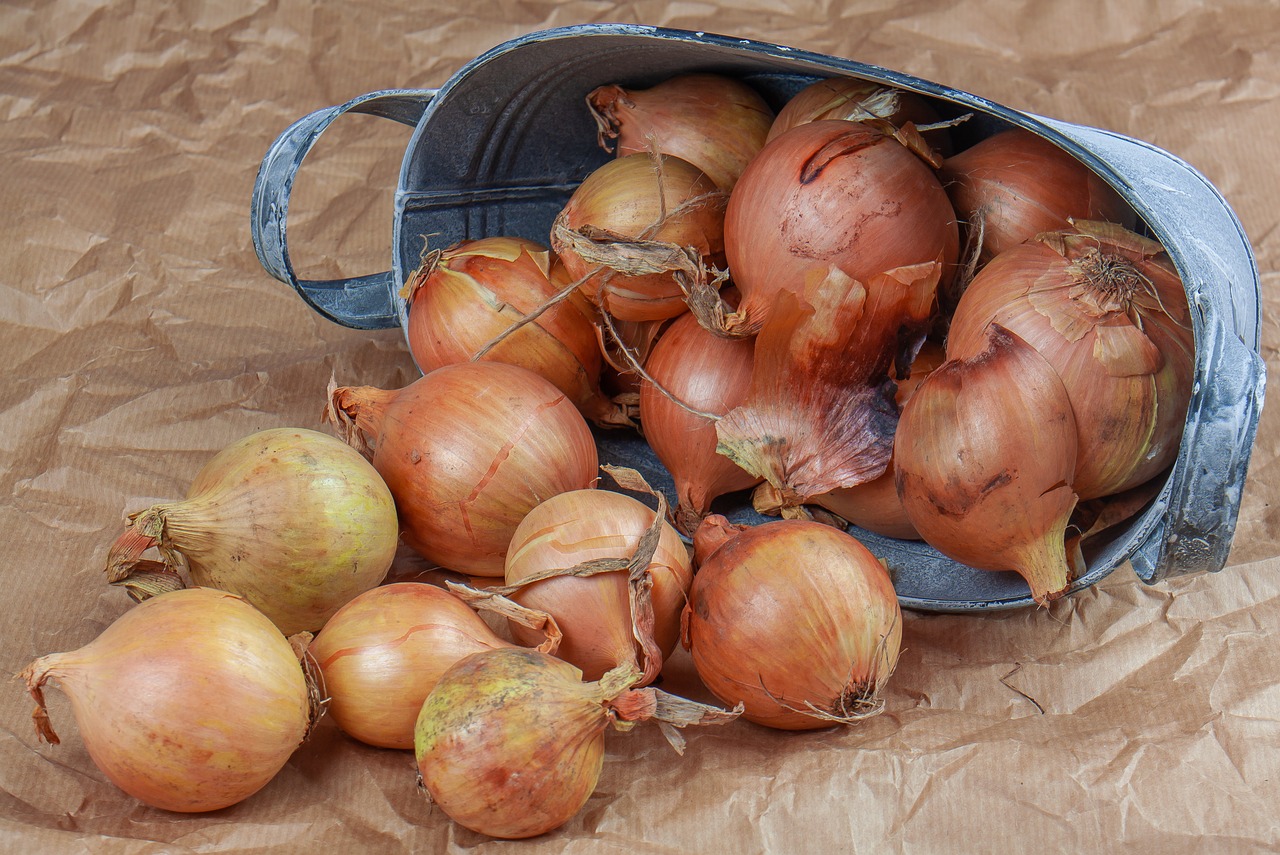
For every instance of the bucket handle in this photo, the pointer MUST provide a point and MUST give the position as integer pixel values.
(361, 302)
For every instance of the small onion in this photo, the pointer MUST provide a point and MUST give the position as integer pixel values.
(624, 213)
(715, 122)
(594, 612)
(797, 621)
(467, 451)
(704, 372)
(859, 100)
(191, 701)
(292, 520)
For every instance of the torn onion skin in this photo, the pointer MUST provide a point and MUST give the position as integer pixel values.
(1107, 309)
(984, 457)
(794, 619)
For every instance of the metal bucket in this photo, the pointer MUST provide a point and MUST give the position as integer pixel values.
(501, 146)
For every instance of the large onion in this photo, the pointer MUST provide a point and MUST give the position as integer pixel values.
(292, 520)
(1107, 309)
(190, 701)
(467, 451)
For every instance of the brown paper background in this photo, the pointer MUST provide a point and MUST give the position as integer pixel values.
(139, 335)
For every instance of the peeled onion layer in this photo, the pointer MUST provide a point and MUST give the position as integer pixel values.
(191, 701)
(293, 520)
(984, 457)
(821, 412)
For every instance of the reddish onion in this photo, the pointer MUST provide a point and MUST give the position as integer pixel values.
(704, 372)
(634, 227)
(797, 621)
(467, 296)
(1108, 311)
(830, 195)
(860, 100)
(595, 613)
(191, 701)
(716, 123)
(467, 451)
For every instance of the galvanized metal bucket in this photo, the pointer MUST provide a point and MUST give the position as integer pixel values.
(501, 146)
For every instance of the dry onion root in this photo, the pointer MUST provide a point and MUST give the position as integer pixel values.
(510, 743)
(191, 701)
(292, 520)
(795, 620)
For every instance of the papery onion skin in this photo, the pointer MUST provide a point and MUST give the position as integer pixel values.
(624, 200)
(466, 296)
(831, 194)
(191, 701)
(293, 520)
(796, 620)
(852, 99)
(1016, 184)
(384, 651)
(594, 612)
(467, 451)
(510, 743)
(715, 122)
(708, 373)
(1108, 311)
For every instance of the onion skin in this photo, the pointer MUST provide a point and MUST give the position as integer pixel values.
(708, 373)
(1016, 184)
(384, 651)
(594, 612)
(467, 451)
(622, 203)
(1107, 309)
(984, 457)
(855, 100)
(716, 123)
(831, 194)
(293, 520)
(191, 701)
(797, 621)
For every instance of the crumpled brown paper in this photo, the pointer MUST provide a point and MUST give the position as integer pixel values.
(141, 335)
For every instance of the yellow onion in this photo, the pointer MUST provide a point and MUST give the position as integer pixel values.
(1011, 186)
(1107, 309)
(984, 457)
(293, 520)
(510, 743)
(467, 296)
(467, 451)
(830, 195)
(795, 620)
(191, 701)
(595, 613)
(696, 371)
(857, 100)
(634, 228)
(715, 122)
(874, 505)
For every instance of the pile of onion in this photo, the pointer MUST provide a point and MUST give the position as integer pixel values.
(293, 520)
(191, 701)
(467, 451)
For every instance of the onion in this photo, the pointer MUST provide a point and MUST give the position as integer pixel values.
(467, 296)
(984, 457)
(510, 743)
(191, 701)
(704, 372)
(1107, 309)
(292, 520)
(716, 123)
(467, 451)
(829, 195)
(634, 228)
(383, 652)
(1011, 186)
(595, 613)
(860, 100)
(797, 621)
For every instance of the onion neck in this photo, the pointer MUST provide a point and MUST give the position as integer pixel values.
(358, 413)
(1044, 564)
